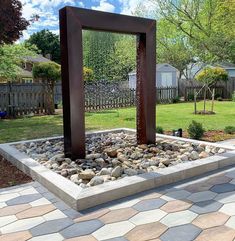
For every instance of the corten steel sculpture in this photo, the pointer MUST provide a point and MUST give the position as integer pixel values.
(72, 22)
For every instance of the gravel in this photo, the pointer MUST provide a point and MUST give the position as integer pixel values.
(113, 156)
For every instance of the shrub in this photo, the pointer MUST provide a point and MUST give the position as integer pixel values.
(176, 99)
(195, 130)
(229, 129)
(88, 74)
(190, 96)
(233, 96)
(219, 99)
(159, 130)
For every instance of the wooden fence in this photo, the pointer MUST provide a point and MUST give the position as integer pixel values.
(189, 93)
(23, 99)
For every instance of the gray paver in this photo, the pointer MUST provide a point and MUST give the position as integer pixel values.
(221, 188)
(206, 207)
(186, 232)
(23, 199)
(51, 226)
(82, 228)
(149, 204)
(116, 239)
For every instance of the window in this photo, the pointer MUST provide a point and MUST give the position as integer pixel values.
(166, 79)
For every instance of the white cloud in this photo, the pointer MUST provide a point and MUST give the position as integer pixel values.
(104, 6)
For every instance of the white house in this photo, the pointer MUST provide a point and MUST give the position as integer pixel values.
(166, 76)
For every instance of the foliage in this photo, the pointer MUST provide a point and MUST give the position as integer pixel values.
(159, 130)
(88, 74)
(176, 99)
(10, 60)
(229, 129)
(211, 75)
(49, 73)
(233, 96)
(11, 21)
(195, 130)
(190, 96)
(47, 43)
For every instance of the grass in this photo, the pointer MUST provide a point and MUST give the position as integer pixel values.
(170, 116)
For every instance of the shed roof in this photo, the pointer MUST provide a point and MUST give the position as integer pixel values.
(36, 59)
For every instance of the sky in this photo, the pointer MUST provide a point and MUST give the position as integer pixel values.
(48, 11)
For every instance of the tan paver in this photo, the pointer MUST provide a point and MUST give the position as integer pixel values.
(82, 238)
(221, 233)
(220, 179)
(93, 215)
(176, 205)
(210, 220)
(146, 232)
(152, 195)
(36, 211)
(198, 187)
(118, 215)
(12, 210)
(19, 236)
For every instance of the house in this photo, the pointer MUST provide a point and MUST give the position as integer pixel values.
(166, 76)
(194, 68)
(26, 75)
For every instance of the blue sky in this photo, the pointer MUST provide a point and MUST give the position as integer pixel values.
(48, 11)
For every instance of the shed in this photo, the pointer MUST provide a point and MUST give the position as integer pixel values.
(166, 76)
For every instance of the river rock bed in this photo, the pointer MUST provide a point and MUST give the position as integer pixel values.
(113, 156)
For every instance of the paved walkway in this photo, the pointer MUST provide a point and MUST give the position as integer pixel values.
(230, 142)
(202, 209)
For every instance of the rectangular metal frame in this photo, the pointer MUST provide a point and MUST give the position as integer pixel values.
(72, 22)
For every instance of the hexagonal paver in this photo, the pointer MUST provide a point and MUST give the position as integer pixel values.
(228, 208)
(186, 232)
(93, 215)
(231, 222)
(210, 220)
(206, 207)
(176, 205)
(178, 194)
(217, 234)
(151, 195)
(201, 196)
(219, 179)
(8, 196)
(22, 225)
(225, 197)
(150, 204)
(124, 204)
(146, 232)
(24, 199)
(178, 218)
(198, 187)
(52, 226)
(115, 239)
(222, 188)
(54, 237)
(230, 174)
(22, 236)
(81, 229)
(118, 215)
(148, 217)
(7, 219)
(113, 230)
(12, 210)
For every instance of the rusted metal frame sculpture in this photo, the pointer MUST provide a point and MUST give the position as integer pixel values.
(72, 22)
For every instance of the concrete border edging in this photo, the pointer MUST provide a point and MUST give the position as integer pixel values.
(80, 199)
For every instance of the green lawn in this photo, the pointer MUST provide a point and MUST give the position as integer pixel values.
(170, 117)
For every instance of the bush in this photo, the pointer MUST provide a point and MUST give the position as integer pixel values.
(195, 130)
(88, 74)
(229, 129)
(219, 99)
(159, 130)
(233, 96)
(176, 99)
(190, 96)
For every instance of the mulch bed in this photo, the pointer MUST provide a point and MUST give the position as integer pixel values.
(211, 136)
(10, 175)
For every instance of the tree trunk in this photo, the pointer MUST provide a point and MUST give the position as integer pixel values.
(204, 109)
(213, 99)
(50, 110)
(195, 102)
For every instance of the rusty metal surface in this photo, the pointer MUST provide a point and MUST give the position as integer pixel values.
(72, 21)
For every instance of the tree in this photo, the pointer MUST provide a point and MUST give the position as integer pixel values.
(11, 21)
(201, 22)
(11, 58)
(49, 73)
(88, 74)
(47, 43)
(209, 77)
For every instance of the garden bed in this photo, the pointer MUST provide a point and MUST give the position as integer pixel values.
(139, 167)
(10, 175)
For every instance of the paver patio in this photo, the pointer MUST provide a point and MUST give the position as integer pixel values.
(197, 209)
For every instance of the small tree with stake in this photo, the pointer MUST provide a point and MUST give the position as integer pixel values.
(209, 77)
(49, 73)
